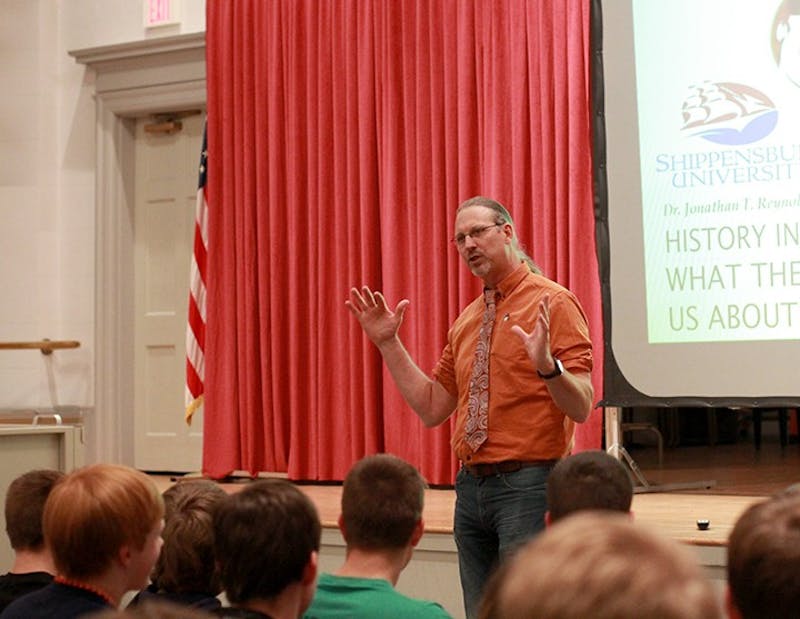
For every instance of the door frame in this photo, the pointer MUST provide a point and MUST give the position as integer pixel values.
(131, 80)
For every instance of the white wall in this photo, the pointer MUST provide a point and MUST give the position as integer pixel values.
(94, 23)
(47, 187)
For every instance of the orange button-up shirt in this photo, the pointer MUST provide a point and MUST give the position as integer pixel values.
(524, 422)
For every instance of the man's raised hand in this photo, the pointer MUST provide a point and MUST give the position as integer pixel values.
(378, 321)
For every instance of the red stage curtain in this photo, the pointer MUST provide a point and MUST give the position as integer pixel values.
(342, 136)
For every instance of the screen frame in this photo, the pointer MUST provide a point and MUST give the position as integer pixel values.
(618, 390)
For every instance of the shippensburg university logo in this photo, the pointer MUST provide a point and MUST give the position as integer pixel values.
(728, 113)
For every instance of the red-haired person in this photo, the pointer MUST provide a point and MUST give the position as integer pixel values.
(103, 525)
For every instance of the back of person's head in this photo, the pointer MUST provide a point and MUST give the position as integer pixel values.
(155, 609)
(588, 480)
(604, 566)
(264, 537)
(791, 488)
(764, 559)
(186, 563)
(382, 500)
(96, 510)
(25, 500)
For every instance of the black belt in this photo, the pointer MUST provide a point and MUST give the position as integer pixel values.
(485, 469)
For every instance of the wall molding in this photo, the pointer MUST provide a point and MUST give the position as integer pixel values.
(131, 80)
(157, 46)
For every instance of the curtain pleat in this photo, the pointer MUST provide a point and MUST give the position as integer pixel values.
(342, 136)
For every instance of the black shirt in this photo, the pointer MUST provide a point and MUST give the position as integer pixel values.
(56, 601)
(240, 613)
(13, 586)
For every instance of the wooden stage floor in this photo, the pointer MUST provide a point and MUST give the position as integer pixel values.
(741, 476)
(673, 514)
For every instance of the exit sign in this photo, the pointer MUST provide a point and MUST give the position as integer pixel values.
(160, 13)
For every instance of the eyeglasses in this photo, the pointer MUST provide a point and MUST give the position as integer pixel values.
(474, 234)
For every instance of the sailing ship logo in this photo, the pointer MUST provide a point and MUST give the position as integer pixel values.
(728, 113)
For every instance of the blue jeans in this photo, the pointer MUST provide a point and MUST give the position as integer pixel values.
(494, 515)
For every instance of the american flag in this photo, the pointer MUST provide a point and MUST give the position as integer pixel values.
(196, 328)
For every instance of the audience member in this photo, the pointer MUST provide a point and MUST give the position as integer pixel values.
(103, 526)
(790, 489)
(604, 566)
(185, 572)
(33, 565)
(588, 480)
(156, 608)
(266, 541)
(381, 522)
(764, 560)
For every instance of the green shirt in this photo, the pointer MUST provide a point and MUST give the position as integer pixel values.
(340, 597)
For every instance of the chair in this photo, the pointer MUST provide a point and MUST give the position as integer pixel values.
(632, 426)
(782, 415)
(670, 424)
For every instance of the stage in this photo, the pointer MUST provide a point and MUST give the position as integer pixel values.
(673, 514)
(433, 572)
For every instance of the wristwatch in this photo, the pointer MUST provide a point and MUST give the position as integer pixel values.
(558, 371)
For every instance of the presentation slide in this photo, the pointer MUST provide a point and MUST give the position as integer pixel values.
(702, 106)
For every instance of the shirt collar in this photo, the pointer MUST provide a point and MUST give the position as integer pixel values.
(506, 286)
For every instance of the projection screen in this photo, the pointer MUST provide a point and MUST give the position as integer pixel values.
(697, 177)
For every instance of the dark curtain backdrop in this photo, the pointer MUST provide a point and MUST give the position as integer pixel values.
(342, 136)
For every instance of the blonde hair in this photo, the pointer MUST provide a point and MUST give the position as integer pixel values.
(94, 511)
(602, 565)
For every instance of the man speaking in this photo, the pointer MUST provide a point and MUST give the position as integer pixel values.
(516, 370)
